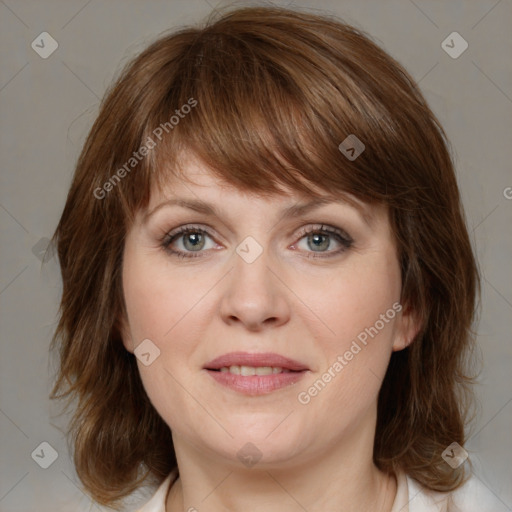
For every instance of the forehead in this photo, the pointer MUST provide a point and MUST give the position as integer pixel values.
(194, 185)
(192, 177)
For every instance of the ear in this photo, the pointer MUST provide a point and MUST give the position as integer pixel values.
(406, 328)
(124, 330)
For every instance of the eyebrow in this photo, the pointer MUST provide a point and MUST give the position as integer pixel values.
(291, 211)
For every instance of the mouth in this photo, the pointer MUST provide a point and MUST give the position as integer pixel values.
(246, 362)
(247, 371)
(255, 374)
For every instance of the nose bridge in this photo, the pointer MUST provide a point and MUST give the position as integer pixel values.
(251, 272)
(253, 294)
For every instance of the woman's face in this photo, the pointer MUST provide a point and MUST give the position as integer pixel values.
(258, 286)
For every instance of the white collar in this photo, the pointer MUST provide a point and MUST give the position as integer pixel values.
(411, 496)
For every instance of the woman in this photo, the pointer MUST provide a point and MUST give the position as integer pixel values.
(214, 354)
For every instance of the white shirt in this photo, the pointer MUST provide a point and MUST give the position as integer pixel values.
(473, 496)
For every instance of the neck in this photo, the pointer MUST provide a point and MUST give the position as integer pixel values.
(342, 477)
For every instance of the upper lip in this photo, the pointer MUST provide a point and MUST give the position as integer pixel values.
(255, 360)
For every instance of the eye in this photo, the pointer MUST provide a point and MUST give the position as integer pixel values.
(321, 237)
(318, 239)
(193, 239)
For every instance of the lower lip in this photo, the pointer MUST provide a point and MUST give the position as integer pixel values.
(256, 384)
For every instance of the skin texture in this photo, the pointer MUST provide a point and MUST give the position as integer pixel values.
(318, 455)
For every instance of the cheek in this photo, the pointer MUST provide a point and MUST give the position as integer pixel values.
(353, 299)
(157, 299)
(358, 312)
(159, 307)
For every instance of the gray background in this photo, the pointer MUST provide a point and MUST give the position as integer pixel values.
(48, 105)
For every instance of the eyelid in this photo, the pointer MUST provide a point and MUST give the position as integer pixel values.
(320, 226)
(185, 228)
(326, 228)
(305, 230)
(344, 239)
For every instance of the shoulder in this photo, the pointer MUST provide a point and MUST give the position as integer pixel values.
(157, 501)
(472, 496)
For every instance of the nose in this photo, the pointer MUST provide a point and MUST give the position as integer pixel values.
(255, 295)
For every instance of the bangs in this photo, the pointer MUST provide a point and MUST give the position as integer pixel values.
(265, 106)
(252, 124)
(261, 113)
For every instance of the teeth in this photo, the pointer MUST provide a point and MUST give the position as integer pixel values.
(247, 371)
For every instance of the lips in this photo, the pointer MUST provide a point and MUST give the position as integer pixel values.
(267, 359)
(255, 374)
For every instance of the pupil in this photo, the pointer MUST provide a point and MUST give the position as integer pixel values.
(194, 239)
(318, 238)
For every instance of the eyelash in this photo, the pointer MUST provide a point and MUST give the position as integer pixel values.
(344, 239)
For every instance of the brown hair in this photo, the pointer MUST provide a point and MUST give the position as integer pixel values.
(272, 93)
